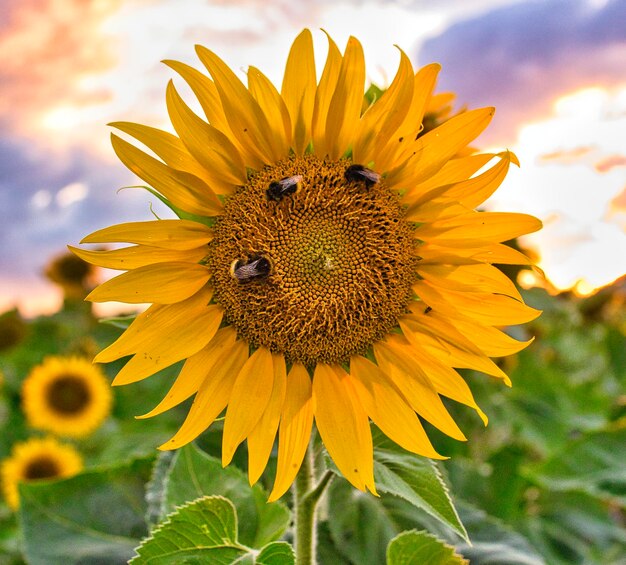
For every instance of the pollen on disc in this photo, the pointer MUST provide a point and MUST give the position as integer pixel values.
(343, 262)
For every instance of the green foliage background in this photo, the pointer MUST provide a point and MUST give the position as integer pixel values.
(545, 482)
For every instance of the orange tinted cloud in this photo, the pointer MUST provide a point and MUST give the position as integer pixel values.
(47, 46)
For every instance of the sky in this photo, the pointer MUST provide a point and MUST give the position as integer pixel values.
(554, 69)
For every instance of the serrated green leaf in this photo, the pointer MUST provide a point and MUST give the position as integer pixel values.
(195, 474)
(423, 548)
(593, 463)
(97, 516)
(203, 531)
(276, 553)
(416, 479)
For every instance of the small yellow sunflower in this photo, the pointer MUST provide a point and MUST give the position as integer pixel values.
(37, 459)
(68, 396)
(328, 263)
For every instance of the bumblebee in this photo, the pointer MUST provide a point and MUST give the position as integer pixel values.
(283, 187)
(359, 173)
(254, 268)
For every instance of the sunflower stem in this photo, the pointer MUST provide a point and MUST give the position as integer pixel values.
(306, 499)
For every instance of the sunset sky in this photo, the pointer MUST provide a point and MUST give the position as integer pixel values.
(554, 69)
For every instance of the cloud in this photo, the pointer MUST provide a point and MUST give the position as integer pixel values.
(521, 57)
(47, 46)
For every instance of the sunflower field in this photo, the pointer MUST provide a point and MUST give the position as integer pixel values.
(309, 378)
(544, 483)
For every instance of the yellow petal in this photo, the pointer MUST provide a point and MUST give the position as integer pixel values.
(399, 146)
(388, 409)
(168, 234)
(161, 283)
(470, 278)
(206, 93)
(261, 438)
(343, 426)
(244, 115)
(298, 89)
(345, 106)
(273, 107)
(491, 309)
(167, 147)
(475, 191)
(454, 171)
(136, 256)
(440, 337)
(491, 341)
(397, 363)
(501, 254)
(209, 146)
(444, 378)
(181, 188)
(213, 396)
(478, 228)
(196, 369)
(384, 117)
(469, 192)
(324, 95)
(497, 253)
(295, 429)
(430, 152)
(250, 397)
(160, 355)
(158, 324)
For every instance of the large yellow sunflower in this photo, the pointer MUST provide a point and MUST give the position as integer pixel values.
(328, 263)
(37, 459)
(68, 396)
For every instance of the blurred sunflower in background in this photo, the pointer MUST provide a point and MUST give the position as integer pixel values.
(37, 459)
(13, 329)
(75, 276)
(328, 264)
(68, 396)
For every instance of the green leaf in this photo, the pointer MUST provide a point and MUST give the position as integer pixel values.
(195, 474)
(276, 553)
(422, 548)
(494, 543)
(415, 479)
(327, 550)
(575, 527)
(155, 489)
(97, 516)
(203, 531)
(593, 463)
(359, 524)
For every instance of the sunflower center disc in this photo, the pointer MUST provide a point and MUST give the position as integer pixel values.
(41, 468)
(68, 395)
(342, 262)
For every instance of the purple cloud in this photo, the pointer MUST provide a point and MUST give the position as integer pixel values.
(521, 57)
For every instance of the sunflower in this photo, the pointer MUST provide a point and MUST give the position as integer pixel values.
(328, 264)
(37, 459)
(75, 276)
(68, 396)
